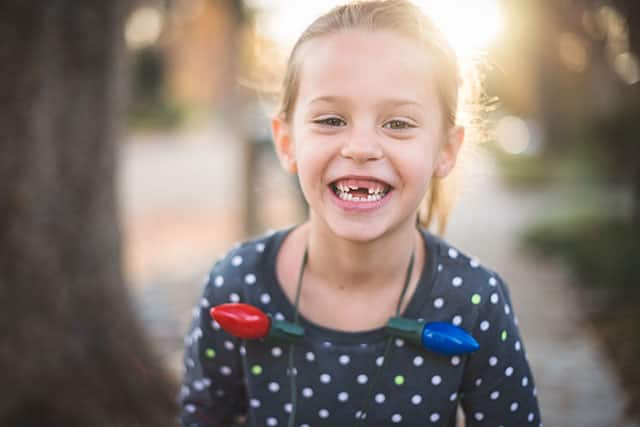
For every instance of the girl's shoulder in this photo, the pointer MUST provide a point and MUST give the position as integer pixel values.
(246, 263)
(461, 282)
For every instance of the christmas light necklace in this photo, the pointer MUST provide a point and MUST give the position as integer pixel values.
(246, 321)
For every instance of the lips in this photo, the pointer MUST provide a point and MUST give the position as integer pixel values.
(360, 189)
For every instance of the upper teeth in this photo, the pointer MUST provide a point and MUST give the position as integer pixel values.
(378, 189)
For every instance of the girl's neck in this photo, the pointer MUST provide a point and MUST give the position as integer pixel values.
(353, 265)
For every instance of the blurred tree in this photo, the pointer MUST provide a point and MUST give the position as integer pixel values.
(72, 351)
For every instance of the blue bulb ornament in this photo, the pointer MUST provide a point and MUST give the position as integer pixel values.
(439, 337)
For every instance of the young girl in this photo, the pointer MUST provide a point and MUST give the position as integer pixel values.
(368, 122)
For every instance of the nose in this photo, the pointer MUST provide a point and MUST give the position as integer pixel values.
(361, 146)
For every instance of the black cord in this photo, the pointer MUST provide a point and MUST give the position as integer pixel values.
(387, 349)
(292, 372)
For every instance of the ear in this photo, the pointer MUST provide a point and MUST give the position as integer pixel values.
(285, 148)
(449, 152)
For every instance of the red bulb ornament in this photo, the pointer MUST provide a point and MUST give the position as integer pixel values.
(241, 320)
(248, 322)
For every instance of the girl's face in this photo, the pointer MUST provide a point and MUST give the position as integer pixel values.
(366, 134)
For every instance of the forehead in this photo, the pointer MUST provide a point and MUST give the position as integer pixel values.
(366, 66)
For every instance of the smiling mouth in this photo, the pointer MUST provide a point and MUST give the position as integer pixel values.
(359, 190)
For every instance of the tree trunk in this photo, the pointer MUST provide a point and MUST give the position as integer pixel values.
(72, 351)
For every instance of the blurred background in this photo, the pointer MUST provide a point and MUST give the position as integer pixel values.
(137, 151)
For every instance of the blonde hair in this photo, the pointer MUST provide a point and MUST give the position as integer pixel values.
(405, 18)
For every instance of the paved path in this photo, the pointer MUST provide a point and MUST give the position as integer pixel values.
(576, 384)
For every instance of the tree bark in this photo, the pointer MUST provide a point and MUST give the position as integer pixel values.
(72, 351)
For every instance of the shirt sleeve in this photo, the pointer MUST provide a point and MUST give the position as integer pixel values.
(213, 391)
(498, 387)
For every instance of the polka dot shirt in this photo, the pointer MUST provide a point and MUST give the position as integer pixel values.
(227, 380)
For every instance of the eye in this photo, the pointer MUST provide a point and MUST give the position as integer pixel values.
(330, 121)
(398, 124)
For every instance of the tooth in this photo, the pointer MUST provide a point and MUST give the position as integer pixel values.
(371, 190)
(370, 197)
(353, 187)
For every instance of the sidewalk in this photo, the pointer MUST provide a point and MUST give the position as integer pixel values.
(576, 384)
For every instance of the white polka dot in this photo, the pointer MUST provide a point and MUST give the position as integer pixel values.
(380, 398)
(478, 382)
(229, 345)
(206, 382)
(325, 378)
(507, 309)
(457, 320)
(438, 302)
(215, 325)
(525, 381)
(379, 360)
(255, 403)
(494, 395)
(484, 325)
(453, 396)
(218, 281)
(198, 385)
(361, 415)
(399, 342)
(453, 253)
(288, 407)
(534, 391)
(276, 351)
(509, 371)
(307, 392)
(272, 421)
(396, 418)
(434, 417)
(418, 361)
(233, 297)
(323, 413)
(327, 344)
(436, 380)
(514, 406)
(530, 417)
(204, 303)
(479, 416)
(455, 360)
(517, 346)
(274, 387)
(416, 399)
(250, 279)
(260, 247)
(225, 370)
(310, 356)
(362, 379)
(344, 359)
(242, 350)
(493, 281)
(494, 298)
(493, 361)
(265, 298)
(343, 396)
(474, 263)
(236, 260)
(190, 408)
(439, 267)
(457, 281)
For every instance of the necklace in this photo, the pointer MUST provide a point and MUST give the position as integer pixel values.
(292, 372)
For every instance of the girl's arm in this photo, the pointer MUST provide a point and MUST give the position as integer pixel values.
(212, 392)
(498, 387)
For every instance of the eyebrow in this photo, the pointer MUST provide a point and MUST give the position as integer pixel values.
(391, 102)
